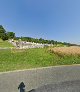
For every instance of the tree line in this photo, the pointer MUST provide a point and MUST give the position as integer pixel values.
(4, 35)
(43, 41)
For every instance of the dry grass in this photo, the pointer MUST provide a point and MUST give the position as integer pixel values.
(73, 50)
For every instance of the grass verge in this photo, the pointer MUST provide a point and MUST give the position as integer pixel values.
(33, 58)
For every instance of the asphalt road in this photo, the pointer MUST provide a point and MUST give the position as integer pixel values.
(68, 86)
(50, 79)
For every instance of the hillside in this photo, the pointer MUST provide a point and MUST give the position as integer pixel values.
(5, 44)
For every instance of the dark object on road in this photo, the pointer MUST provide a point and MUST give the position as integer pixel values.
(33, 90)
(22, 87)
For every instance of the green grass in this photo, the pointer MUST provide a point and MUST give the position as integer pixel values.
(5, 44)
(32, 58)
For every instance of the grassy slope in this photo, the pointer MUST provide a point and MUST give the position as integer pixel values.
(5, 44)
(26, 59)
(13, 60)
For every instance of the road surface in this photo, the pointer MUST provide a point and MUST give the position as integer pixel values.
(69, 86)
(54, 78)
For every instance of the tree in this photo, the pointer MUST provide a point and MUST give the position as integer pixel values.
(4, 37)
(11, 35)
(2, 31)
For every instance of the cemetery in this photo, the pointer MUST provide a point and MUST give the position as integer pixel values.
(24, 44)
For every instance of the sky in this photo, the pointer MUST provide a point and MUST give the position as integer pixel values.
(48, 19)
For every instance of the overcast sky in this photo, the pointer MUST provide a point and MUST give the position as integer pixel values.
(49, 19)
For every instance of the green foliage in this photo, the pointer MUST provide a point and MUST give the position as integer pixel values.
(10, 35)
(2, 30)
(5, 35)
